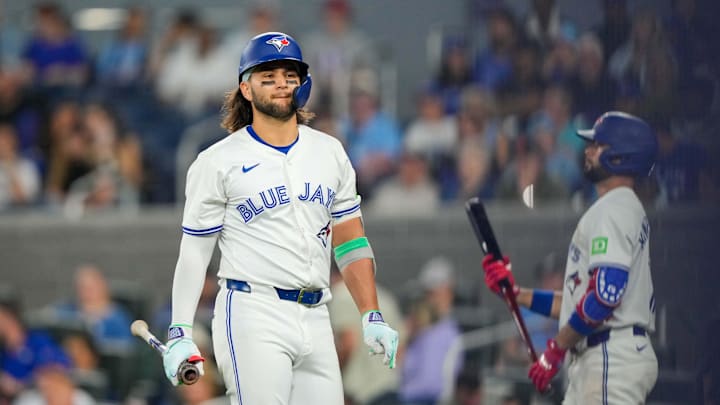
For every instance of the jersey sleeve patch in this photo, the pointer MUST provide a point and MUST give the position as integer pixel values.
(599, 245)
(611, 285)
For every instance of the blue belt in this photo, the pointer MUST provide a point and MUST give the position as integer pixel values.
(603, 336)
(303, 296)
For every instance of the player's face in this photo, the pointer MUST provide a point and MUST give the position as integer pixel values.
(272, 89)
(592, 169)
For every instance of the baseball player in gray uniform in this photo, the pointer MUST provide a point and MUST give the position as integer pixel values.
(607, 307)
(279, 197)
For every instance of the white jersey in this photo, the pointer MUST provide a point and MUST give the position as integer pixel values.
(274, 211)
(613, 232)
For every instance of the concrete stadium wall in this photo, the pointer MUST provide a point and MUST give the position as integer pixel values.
(38, 255)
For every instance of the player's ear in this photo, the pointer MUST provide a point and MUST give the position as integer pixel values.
(245, 91)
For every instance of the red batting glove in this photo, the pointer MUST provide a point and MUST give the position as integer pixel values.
(497, 270)
(547, 366)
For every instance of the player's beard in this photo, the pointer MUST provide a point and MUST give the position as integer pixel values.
(595, 173)
(275, 110)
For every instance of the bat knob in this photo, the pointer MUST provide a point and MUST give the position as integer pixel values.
(188, 373)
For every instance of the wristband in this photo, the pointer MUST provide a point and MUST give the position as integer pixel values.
(542, 301)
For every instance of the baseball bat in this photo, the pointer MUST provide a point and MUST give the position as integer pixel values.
(485, 235)
(188, 372)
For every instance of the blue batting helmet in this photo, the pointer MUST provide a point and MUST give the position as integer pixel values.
(632, 145)
(274, 46)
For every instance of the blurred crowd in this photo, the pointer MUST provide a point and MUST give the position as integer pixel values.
(84, 130)
(87, 129)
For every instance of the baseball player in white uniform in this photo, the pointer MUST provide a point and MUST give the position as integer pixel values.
(607, 307)
(279, 197)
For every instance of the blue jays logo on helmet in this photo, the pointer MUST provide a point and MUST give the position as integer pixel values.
(278, 42)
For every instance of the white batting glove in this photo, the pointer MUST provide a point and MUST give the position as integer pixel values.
(180, 348)
(380, 337)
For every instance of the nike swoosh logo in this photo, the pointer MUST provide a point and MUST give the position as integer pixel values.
(640, 348)
(247, 169)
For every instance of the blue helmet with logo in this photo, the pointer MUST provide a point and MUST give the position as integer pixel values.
(275, 46)
(632, 145)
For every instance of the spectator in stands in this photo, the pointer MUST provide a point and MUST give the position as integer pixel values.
(630, 61)
(85, 359)
(522, 94)
(455, 72)
(593, 92)
(493, 66)
(560, 64)
(22, 353)
(695, 119)
(190, 77)
(410, 193)
(482, 150)
(544, 25)
(478, 123)
(372, 138)
(432, 133)
(432, 329)
(20, 182)
(262, 16)
(123, 61)
(93, 305)
(689, 26)
(180, 37)
(335, 51)
(474, 177)
(67, 150)
(660, 82)
(25, 112)
(116, 160)
(54, 56)
(365, 381)
(526, 170)
(554, 130)
(53, 385)
(468, 388)
(614, 29)
(683, 169)
(11, 43)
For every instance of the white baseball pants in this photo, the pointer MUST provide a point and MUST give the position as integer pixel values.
(274, 352)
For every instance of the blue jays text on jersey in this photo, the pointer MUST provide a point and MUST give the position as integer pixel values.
(278, 195)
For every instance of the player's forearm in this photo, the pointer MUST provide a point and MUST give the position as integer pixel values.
(527, 296)
(359, 278)
(568, 337)
(193, 259)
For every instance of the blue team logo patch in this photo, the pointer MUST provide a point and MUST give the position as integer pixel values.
(375, 317)
(324, 234)
(278, 42)
(572, 282)
(175, 333)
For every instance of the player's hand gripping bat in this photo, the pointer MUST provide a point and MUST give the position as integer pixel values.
(486, 237)
(188, 372)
